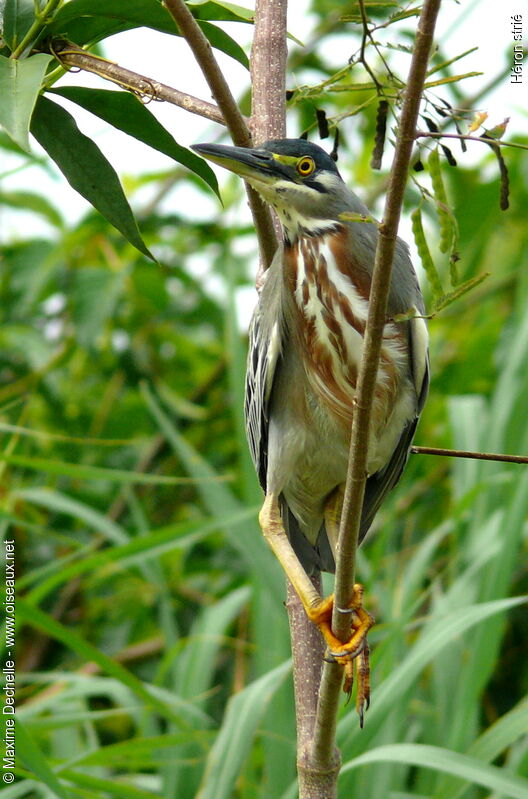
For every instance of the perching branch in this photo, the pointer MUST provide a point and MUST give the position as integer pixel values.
(70, 55)
(268, 121)
(463, 453)
(323, 743)
(234, 120)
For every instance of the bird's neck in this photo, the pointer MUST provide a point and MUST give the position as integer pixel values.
(297, 227)
(323, 270)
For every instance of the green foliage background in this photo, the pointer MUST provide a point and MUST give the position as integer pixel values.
(153, 649)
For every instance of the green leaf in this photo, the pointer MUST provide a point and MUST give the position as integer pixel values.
(20, 82)
(127, 113)
(437, 634)
(139, 749)
(218, 498)
(28, 201)
(79, 471)
(495, 740)
(94, 294)
(468, 768)
(89, 21)
(61, 503)
(196, 663)
(235, 738)
(34, 617)
(227, 12)
(18, 19)
(223, 42)
(230, 12)
(112, 787)
(85, 168)
(138, 551)
(30, 754)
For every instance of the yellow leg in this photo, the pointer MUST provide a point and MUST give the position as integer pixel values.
(333, 507)
(319, 610)
(275, 534)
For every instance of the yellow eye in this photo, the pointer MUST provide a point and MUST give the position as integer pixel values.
(305, 166)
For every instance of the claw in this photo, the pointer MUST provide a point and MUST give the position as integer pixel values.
(352, 654)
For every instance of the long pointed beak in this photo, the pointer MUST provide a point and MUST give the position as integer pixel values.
(257, 165)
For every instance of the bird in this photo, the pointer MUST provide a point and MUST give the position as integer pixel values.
(305, 345)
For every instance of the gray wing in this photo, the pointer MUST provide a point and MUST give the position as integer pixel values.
(265, 346)
(379, 484)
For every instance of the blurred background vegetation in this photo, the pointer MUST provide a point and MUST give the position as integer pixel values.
(153, 644)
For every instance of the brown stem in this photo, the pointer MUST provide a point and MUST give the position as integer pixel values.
(205, 59)
(463, 453)
(357, 471)
(268, 85)
(317, 777)
(71, 55)
(268, 71)
(424, 134)
(307, 652)
(268, 121)
(234, 120)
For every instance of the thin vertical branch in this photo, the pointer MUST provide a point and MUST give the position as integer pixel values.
(268, 84)
(268, 71)
(323, 745)
(268, 121)
(233, 118)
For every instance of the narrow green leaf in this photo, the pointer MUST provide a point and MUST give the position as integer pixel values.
(79, 471)
(112, 787)
(223, 42)
(218, 498)
(502, 734)
(85, 168)
(220, 10)
(127, 113)
(89, 21)
(29, 201)
(137, 551)
(31, 755)
(61, 503)
(432, 757)
(452, 79)
(34, 617)
(235, 738)
(20, 82)
(437, 634)
(446, 299)
(197, 662)
(448, 63)
(123, 753)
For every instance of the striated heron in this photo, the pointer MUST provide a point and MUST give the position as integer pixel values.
(305, 347)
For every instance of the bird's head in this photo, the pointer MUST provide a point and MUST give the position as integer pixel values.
(294, 176)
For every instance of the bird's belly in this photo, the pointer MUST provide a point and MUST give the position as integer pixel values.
(331, 299)
(309, 433)
(309, 457)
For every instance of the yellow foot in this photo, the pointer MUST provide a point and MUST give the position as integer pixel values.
(352, 654)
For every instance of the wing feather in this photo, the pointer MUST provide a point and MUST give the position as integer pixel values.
(379, 484)
(265, 347)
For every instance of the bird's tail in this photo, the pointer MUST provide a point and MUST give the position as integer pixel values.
(313, 558)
